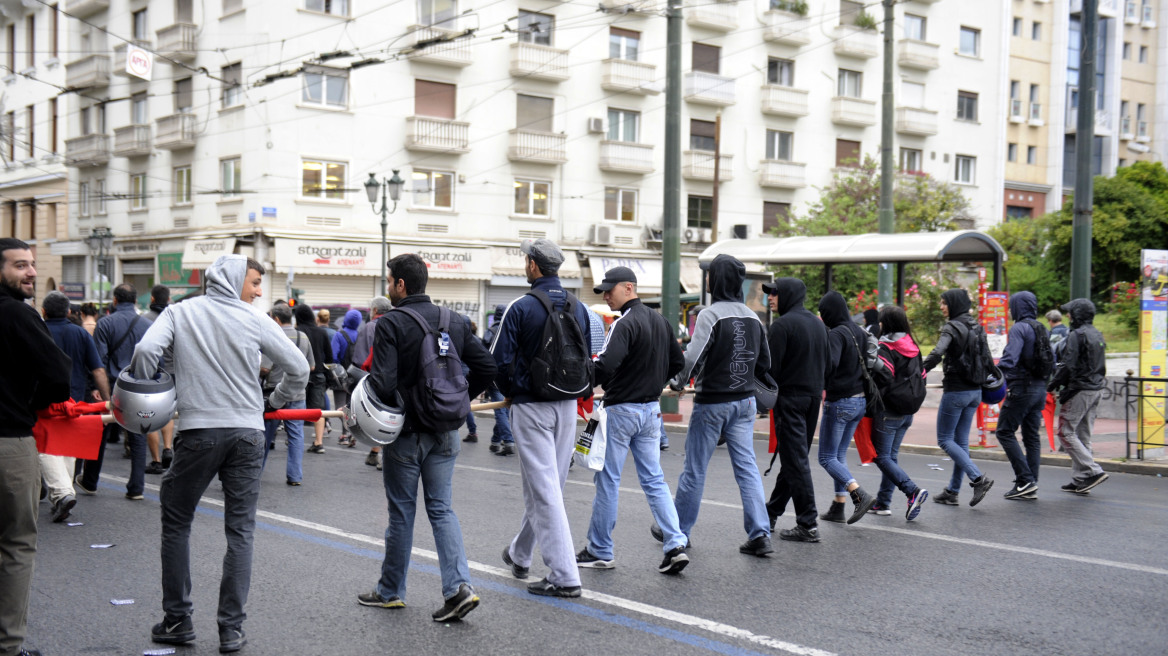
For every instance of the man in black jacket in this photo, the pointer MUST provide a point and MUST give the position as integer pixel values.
(1025, 396)
(1080, 375)
(639, 356)
(420, 451)
(322, 352)
(798, 346)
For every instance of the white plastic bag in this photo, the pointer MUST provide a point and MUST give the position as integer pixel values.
(590, 448)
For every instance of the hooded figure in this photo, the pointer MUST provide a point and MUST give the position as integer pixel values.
(1082, 361)
(1020, 342)
(844, 376)
(349, 326)
(798, 342)
(872, 322)
(952, 341)
(1026, 396)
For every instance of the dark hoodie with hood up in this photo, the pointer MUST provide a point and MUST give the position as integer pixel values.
(1016, 359)
(845, 341)
(728, 349)
(1082, 364)
(798, 343)
(349, 326)
(952, 341)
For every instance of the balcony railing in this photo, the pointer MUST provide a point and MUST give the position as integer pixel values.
(440, 135)
(539, 62)
(851, 41)
(175, 132)
(89, 71)
(1036, 114)
(626, 157)
(120, 56)
(630, 6)
(630, 76)
(1102, 122)
(720, 16)
(783, 101)
(1125, 129)
(1016, 111)
(437, 45)
(918, 54)
(90, 150)
(538, 147)
(84, 8)
(178, 41)
(709, 88)
(699, 165)
(132, 141)
(853, 111)
(914, 120)
(781, 174)
(787, 28)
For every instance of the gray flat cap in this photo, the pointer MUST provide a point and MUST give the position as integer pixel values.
(543, 252)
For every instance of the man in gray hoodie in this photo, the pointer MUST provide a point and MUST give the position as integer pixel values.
(217, 340)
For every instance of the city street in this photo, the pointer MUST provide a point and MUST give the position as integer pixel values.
(1063, 575)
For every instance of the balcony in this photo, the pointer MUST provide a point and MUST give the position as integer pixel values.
(916, 121)
(853, 111)
(1102, 122)
(1016, 111)
(1131, 13)
(538, 62)
(178, 41)
(1036, 115)
(626, 157)
(629, 76)
(437, 45)
(175, 132)
(851, 41)
(90, 150)
(437, 135)
(538, 147)
(784, 101)
(719, 16)
(786, 28)
(120, 56)
(85, 8)
(699, 165)
(132, 141)
(780, 174)
(709, 88)
(918, 54)
(1148, 22)
(89, 71)
(1125, 129)
(629, 6)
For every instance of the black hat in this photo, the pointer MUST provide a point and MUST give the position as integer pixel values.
(614, 277)
(770, 288)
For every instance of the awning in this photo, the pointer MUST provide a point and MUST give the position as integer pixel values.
(691, 275)
(510, 261)
(959, 246)
(202, 253)
(449, 262)
(648, 271)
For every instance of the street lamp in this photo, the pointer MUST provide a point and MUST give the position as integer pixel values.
(393, 186)
(101, 240)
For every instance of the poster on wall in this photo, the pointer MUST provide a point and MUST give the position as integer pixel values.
(1153, 345)
(994, 316)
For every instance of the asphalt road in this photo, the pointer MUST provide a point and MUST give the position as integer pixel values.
(1065, 574)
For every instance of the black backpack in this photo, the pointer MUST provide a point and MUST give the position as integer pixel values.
(1041, 363)
(440, 399)
(970, 362)
(905, 393)
(562, 366)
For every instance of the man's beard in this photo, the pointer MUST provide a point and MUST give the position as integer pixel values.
(16, 289)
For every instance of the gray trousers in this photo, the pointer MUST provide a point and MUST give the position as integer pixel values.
(236, 455)
(545, 435)
(1076, 419)
(20, 486)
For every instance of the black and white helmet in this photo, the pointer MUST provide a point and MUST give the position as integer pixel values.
(371, 421)
(143, 405)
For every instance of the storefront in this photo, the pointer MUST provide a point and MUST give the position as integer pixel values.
(509, 280)
(456, 276)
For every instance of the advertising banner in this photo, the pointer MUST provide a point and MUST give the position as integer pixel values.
(994, 316)
(1153, 345)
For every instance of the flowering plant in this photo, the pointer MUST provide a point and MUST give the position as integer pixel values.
(1124, 303)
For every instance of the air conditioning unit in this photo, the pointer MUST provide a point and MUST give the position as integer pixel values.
(652, 236)
(596, 126)
(600, 235)
(741, 231)
(696, 235)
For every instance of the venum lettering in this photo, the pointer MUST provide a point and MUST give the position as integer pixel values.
(741, 358)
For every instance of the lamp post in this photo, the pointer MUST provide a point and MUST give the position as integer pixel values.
(101, 240)
(393, 187)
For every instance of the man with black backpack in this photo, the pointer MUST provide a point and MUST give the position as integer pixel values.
(544, 365)
(418, 352)
(1027, 364)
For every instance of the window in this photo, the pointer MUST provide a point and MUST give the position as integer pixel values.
(1031, 155)
(966, 106)
(101, 197)
(436, 12)
(53, 126)
(533, 113)
(912, 94)
(779, 145)
(10, 129)
(620, 205)
(435, 99)
(184, 11)
(847, 153)
(781, 72)
(532, 198)
(773, 215)
(433, 189)
(99, 118)
(232, 90)
(914, 27)
(623, 125)
(30, 40)
(1015, 89)
(536, 28)
(1033, 93)
(30, 130)
(334, 7)
(182, 185)
(137, 191)
(1018, 212)
(700, 212)
(850, 11)
(183, 94)
(54, 28)
(966, 170)
(624, 44)
(706, 59)
(701, 135)
(327, 87)
(1036, 31)
(10, 35)
(1143, 55)
(322, 180)
(1017, 27)
(851, 83)
(910, 160)
(138, 109)
(970, 43)
(139, 28)
(83, 196)
(1122, 163)
(1127, 50)
(230, 175)
(1012, 152)
(232, 6)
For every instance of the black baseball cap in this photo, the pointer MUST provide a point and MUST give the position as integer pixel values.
(614, 277)
(770, 288)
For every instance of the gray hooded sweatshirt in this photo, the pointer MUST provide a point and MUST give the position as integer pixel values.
(218, 341)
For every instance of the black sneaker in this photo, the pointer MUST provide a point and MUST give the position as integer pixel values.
(134, 496)
(62, 507)
(656, 532)
(231, 640)
(799, 534)
(494, 447)
(24, 651)
(1032, 495)
(517, 571)
(316, 448)
(456, 607)
(373, 599)
(1020, 490)
(880, 509)
(1071, 487)
(980, 487)
(863, 501)
(505, 450)
(675, 561)
(586, 560)
(759, 546)
(470, 437)
(172, 632)
(372, 459)
(155, 468)
(546, 588)
(81, 486)
(292, 483)
(915, 503)
(946, 498)
(167, 458)
(1092, 481)
(835, 513)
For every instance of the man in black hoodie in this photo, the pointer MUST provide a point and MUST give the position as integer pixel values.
(798, 347)
(1080, 375)
(1025, 396)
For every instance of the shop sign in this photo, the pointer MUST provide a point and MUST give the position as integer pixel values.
(450, 262)
(172, 274)
(323, 256)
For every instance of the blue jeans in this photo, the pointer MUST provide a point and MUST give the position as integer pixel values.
(502, 430)
(733, 420)
(430, 457)
(954, 418)
(661, 429)
(295, 432)
(840, 419)
(471, 426)
(887, 433)
(632, 427)
(1023, 407)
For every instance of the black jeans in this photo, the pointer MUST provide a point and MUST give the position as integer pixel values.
(1023, 407)
(795, 420)
(91, 469)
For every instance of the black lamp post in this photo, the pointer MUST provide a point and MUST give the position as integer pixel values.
(393, 187)
(101, 240)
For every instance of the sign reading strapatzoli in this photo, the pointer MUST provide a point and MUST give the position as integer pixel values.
(450, 261)
(337, 257)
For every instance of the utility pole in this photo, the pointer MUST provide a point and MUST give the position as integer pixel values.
(1083, 205)
(887, 109)
(717, 176)
(671, 237)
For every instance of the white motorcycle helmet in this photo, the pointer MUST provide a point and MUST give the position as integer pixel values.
(143, 405)
(372, 422)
